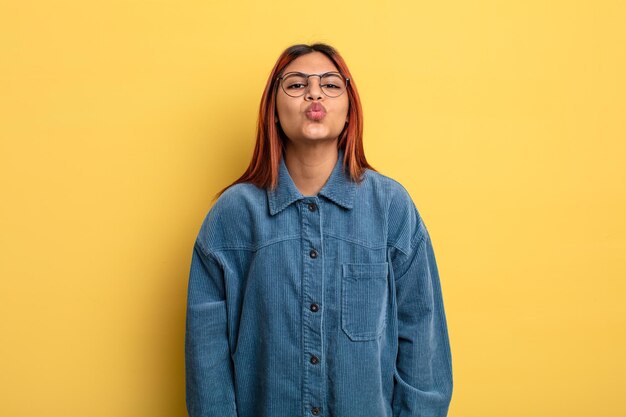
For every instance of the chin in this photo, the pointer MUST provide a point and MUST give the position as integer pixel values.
(314, 135)
(319, 134)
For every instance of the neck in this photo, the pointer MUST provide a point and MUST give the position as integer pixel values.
(310, 166)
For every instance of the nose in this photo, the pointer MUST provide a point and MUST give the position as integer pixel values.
(314, 89)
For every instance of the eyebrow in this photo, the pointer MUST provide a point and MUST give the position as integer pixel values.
(304, 73)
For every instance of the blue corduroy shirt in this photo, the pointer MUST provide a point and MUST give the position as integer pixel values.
(327, 305)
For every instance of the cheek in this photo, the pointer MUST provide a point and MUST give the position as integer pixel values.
(343, 111)
(285, 109)
(345, 106)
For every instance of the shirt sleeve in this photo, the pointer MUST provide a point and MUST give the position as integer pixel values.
(423, 374)
(208, 365)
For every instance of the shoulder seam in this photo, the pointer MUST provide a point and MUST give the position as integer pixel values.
(208, 255)
(415, 249)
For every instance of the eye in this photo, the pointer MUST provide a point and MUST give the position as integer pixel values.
(295, 86)
(332, 82)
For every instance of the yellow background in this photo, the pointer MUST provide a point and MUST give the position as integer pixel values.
(121, 119)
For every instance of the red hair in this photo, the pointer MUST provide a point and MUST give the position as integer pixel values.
(270, 139)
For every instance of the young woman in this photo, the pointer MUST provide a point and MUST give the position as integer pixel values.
(313, 288)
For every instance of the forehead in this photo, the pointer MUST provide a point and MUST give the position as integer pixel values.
(311, 63)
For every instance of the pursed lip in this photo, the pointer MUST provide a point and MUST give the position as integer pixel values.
(315, 111)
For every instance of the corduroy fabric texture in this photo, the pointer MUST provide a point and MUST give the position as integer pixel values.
(326, 305)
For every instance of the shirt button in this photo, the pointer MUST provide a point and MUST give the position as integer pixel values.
(314, 308)
(314, 359)
(312, 206)
(313, 253)
(315, 411)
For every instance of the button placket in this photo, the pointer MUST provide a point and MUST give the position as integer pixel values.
(313, 290)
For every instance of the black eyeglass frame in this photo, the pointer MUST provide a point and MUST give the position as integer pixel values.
(280, 79)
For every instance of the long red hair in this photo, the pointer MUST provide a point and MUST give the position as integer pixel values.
(270, 139)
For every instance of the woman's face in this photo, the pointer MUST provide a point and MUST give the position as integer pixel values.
(300, 125)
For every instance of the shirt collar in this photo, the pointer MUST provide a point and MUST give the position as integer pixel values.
(339, 188)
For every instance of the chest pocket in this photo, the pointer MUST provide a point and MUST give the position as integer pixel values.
(364, 300)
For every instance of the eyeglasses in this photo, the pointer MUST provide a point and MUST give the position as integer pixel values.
(294, 84)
